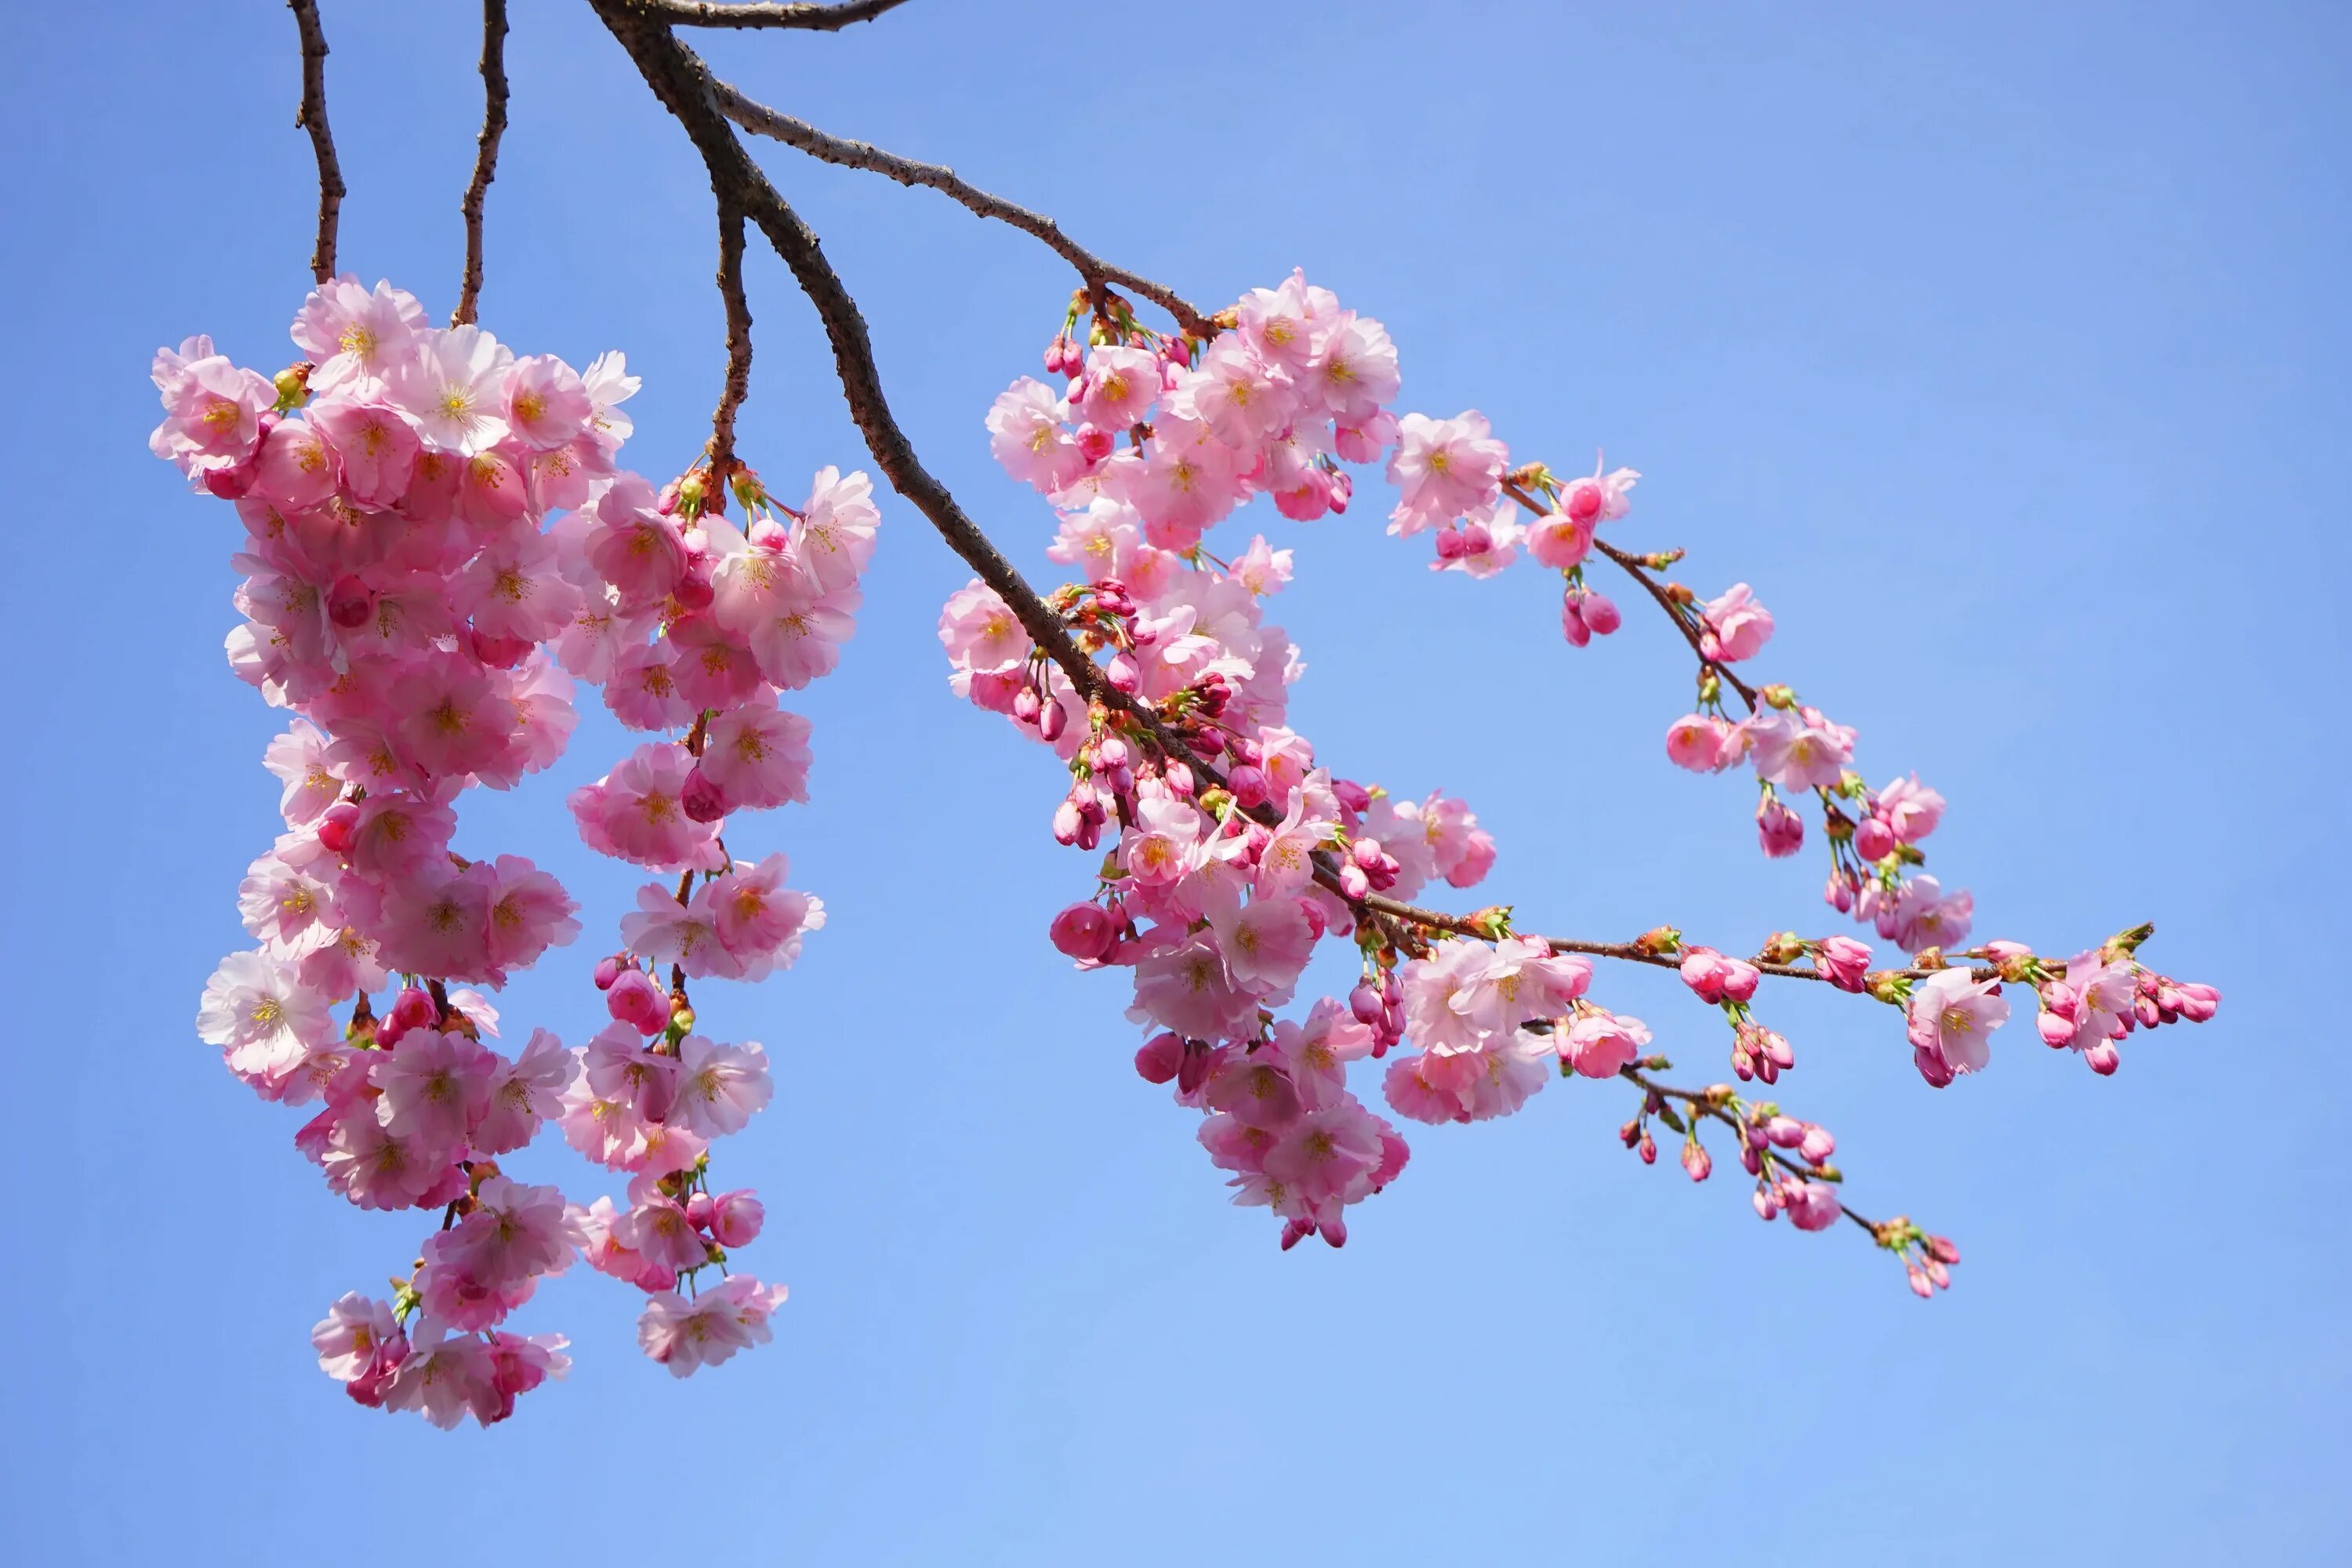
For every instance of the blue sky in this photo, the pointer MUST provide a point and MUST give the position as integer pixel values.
(2001, 347)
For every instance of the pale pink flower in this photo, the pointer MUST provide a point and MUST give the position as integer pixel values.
(547, 404)
(1265, 944)
(1027, 433)
(719, 1087)
(354, 1336)
(683, 1335)
(354, 336)
(1741, 624)
(523, 1094)
(1952, 1019)
(432, 1085)
(1910, 809)
(265, 1019)
(1445, 468)
(453, 388)
(758, 755)
(1121, 384)
(835, 536)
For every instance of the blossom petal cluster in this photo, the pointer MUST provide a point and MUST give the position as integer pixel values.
(438, 543)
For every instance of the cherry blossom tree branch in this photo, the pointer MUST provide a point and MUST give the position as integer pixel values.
(805, 15)
(763, 121)
(738, 341)
(312, 117)
(685, 86)
(486, 154)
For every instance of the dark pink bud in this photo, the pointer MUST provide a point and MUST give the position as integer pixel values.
(1248, 784)
(1571, 621)
(413, 1009)
(608, 969)
(1160, 1057)
(1193, 1070)
(636, 1001)
(2103, 1057)
(699, 798)
(350, 604)
(1095, 444)
(1364, 1002)
(1872, 839)
(1343, 489)
(697, 1211)
(1601, 613)
(1083, 931)
(339, 827)
(1584, 502)
(1698, 1162)
(1944, 1249)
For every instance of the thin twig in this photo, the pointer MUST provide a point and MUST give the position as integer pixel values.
(739, 341)
(485, 153)
(1640, 573)
(805, 15)
(312, 117)
(759, 119)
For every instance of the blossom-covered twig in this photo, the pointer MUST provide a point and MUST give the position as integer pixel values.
(312, 117)
(763, 121)
(486, 154)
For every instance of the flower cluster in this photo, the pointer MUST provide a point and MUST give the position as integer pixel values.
(439, 542)
(1229, 853)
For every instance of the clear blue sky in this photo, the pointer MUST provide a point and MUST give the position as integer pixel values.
(2002, 347)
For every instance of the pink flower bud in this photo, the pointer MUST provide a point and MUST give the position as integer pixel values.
(1920, 1286)
(1248, 786)
(1451, 544)
(1159, 1059)
(1584, 502)
(1193, 1070)
(1083, 931)
(339, 827)
(1872, 839)
(1817, 1145)
(2056, 1032)
(1844, 960)
(1944, 1249)
(413, 1009)
(608, 969)
(1838, 893)
(1571, 621)
(2103, 1057)
(1781, 832)
(701, 800)
(737, 1217)
(1601, 613)
(1365, 1003)
(1052, 719)
(636, 1001)
(350, 604)
(699, 1209)
(1343, 489)
(1698, 1162)
(1785, 1131)
(1095, 444)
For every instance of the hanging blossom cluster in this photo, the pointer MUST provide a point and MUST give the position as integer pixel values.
(1229, 851)
(439, 542)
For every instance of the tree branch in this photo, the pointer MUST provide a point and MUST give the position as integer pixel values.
(486, 154)
(759, 119)
(312, 117)
(685, 86)
(804, 15)
(739, 341)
